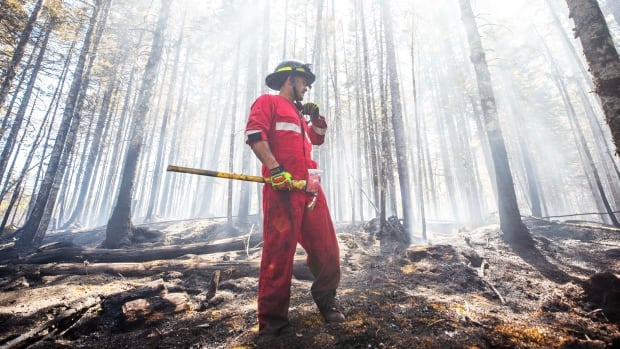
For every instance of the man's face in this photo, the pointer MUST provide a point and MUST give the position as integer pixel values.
(301, 85)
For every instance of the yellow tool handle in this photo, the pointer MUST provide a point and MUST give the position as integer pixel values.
(299, 184)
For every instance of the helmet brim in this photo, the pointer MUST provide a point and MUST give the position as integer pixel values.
(275, 80)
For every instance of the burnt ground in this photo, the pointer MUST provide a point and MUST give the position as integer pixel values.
(465, 290)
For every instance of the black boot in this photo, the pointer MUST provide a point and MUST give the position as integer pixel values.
(271, 330)
(329, 308)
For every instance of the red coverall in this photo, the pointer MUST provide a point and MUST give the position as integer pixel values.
(286, 219)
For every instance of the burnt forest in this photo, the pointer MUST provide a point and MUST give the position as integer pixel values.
(470, 165)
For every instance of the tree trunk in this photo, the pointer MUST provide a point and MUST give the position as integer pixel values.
(159, 167)
(95, 149)
(521, 132)
(602, 147)
(231, 147)
(419, 144)
(33, 227)
(383, 148)
(510, 218)
(588, 160)
(68, 153)
(444, 146)
(602, 57)
(368, 114)
(120, 225)
(245, 195)
(402, 161)
(11, 70)
(17, 189)
(114, 168)
(25, 100)
(173, 154)
(145, 176)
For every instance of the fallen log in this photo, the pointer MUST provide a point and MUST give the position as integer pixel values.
(231, 270)
(100, 255)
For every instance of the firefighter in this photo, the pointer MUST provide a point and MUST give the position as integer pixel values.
(281, 137)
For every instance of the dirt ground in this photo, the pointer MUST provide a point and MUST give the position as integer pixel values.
(468, 289)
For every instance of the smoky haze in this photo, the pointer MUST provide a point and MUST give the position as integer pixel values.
(217, 54)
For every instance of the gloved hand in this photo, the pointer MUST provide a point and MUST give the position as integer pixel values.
(281, 179)
(319, 122)
(310, 109)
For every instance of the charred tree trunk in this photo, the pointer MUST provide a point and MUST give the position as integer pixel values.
(120, 225)
(510, 218)
(16, 127)
(369, 112)
(18, 185)
(169, 189)
(33, 227)
(383, 147)
(402, 161)
(95, 149)
(11, 70)
(112, 172)
(602, 57)
(159, 164)
(68, 153)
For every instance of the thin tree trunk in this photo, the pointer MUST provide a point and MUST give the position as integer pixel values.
(17, 186)
(385, 159)
(33, 229)
(231, 147)
(582, 143)
(368, 110)
(11, 70)
(251, 91)
(524, 145)
(173, 154)
(95, 148)
(444, 149)
(53, 109)
(402, 158)
(419, 145)
(510, 218)
(16, 96)
(145, 176)
(209, 148)
(25, 100)
(602, 147)
(68, 150)
(159, 168)
(120, 225)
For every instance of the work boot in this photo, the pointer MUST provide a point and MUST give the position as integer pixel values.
(274, 338)
(329, 308)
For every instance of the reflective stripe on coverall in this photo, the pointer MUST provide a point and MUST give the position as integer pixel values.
(286, 219)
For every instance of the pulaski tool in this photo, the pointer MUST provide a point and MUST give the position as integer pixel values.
(311, 187)
(299, 184)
